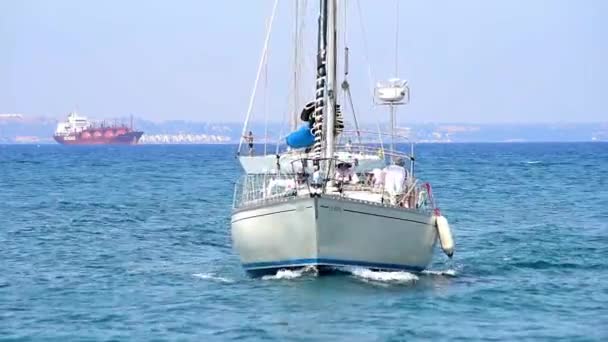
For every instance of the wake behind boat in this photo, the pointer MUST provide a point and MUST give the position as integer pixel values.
(328, 204)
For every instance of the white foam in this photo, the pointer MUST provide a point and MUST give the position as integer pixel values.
(382, 276)
(292, 274)
(209, 276)
(533, 162)
(448, 272)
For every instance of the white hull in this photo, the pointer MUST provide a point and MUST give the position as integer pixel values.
(332, 231)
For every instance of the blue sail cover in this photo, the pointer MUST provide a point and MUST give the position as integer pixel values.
(301, 138)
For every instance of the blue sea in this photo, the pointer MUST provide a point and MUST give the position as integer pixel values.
(133, 244)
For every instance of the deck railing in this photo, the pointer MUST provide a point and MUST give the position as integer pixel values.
(256, 189)
(356, 141)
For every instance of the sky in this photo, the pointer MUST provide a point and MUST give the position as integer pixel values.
(469, 61)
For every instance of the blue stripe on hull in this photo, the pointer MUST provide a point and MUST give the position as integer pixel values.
(273, 266)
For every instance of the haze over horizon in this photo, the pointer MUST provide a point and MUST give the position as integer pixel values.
(473, 61)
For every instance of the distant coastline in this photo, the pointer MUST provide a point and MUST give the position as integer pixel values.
(39, 130)
(235, 144)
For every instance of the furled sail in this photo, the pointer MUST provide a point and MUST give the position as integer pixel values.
(301, 137)
(304, 137)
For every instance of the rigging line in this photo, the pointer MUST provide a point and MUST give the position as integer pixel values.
(299, 67)
(280, 137)
(303, 49)
(345, 43)
(302, 67)
(397, 38)
(255, 84)
(286, 119)
(290, 113)
(345, 85)
(308, 61)
(352, 108)
(369, 67)
(266, 104)
(296, 43)
(341, 23)
(344, 29)
(393, 109)
(266, 99)
(345, 22)
(380, 137)
(365, 47)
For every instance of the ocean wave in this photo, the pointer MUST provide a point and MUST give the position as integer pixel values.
(543, 265)
(292, 273)
(448, 272)
(397, 277)
(213, 277)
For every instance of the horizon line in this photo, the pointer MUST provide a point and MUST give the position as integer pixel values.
(234, 122)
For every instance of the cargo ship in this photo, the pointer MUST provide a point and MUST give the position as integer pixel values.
(77, 130)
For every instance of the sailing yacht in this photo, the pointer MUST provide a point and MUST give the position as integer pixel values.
(329, 205)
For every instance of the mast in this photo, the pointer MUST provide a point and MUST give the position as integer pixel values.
(330, 103)
(320, 100)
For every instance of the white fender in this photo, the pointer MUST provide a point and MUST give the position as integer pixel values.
(445, 235)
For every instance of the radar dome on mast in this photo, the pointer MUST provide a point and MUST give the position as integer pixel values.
(392, 92)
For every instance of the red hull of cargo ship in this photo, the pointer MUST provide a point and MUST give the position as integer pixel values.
(77, 130)
(100, 137)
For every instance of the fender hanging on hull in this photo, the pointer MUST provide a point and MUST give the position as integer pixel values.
(445, 235)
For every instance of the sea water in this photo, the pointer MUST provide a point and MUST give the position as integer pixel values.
(133, 243)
